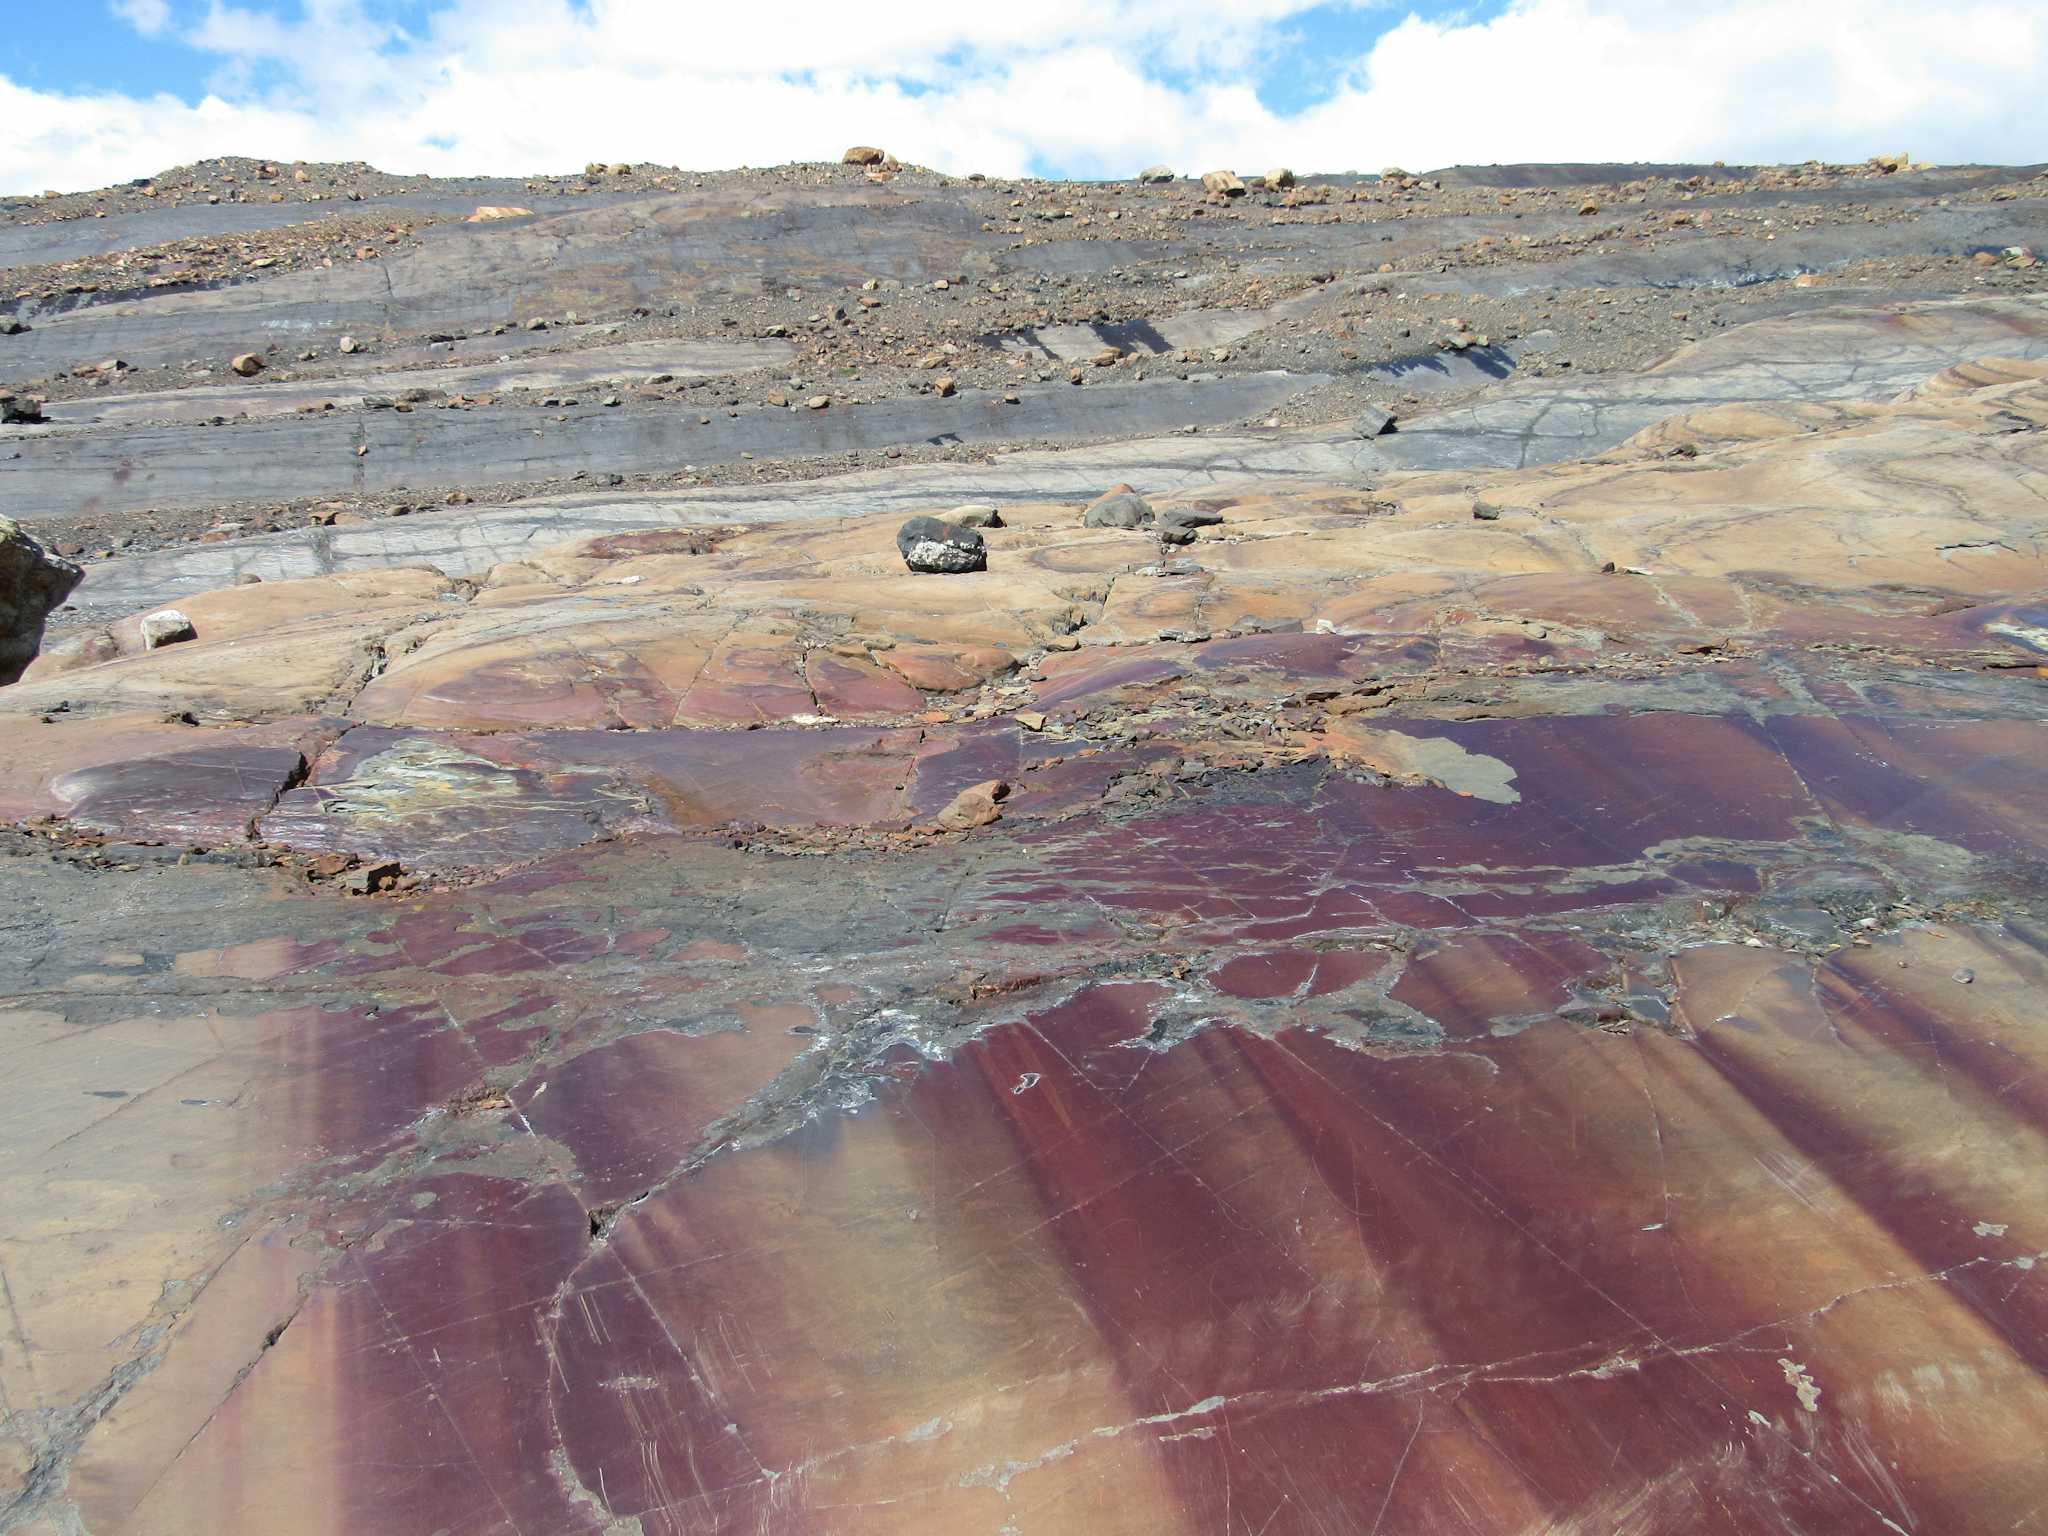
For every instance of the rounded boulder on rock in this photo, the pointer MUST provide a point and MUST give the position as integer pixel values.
(1280, 178)
(1226, 182)
(863, 154)
(1156, 173)
(248, 365)
(940, 548)
(1123, 508)
(32, 582)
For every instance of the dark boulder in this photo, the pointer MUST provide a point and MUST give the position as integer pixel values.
(940, 548)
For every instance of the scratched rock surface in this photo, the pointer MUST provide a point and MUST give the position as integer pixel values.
(1505, 1023)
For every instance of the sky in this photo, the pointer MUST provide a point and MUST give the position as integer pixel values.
(99, 91)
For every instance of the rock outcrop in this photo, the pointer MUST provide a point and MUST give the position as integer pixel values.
(1477, 977)
(33, 582)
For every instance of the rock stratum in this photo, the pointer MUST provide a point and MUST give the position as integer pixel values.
(1484, 976)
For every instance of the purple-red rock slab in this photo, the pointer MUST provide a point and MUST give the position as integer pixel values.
(571, 1209)
(145, 777)
(851, 689)
(1072, 1279)
(437, 800)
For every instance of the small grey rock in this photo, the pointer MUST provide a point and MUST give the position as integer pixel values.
(1156, 173)
(1486, 511)
(1373, 422)
(940, 548)
(21, 408)
(1126, 509)
(1178, 525)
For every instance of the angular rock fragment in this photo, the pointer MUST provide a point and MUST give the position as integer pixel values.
(166, 627)
(20, 408)
(976, 514)
(376, 875)
(863, 154)
(1156, 173)
(1227, 183)
(940, 548)
(247, 364)
(32, 582)
(975, 806)
(1372, 422)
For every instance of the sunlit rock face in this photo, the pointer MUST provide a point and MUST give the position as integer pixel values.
(32, 582)
(1372, 1018)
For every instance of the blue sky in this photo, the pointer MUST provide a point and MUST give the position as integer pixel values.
(100, 90)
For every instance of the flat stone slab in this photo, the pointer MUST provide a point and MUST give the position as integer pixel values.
(622, 362)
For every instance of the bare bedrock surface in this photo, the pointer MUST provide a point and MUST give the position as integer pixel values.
(1501, 988)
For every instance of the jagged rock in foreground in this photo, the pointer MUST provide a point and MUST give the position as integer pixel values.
(32, 583)
(1374, 1019)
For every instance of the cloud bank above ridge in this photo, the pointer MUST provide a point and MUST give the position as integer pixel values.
(1066, 87)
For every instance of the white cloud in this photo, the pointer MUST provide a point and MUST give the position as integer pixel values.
(520, 86)
(152, 18)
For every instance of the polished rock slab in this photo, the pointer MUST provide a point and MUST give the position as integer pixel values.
(1529, 1022)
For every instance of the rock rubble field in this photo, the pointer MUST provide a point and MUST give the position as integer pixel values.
(845, 849)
